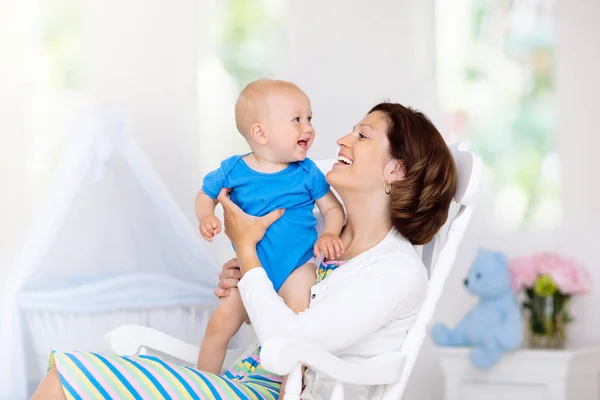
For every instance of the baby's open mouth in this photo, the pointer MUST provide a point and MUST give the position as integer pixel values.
(303, 143)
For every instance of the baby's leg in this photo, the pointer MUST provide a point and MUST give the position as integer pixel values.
(224, 323)
(295, 291)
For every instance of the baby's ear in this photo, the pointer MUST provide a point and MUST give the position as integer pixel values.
(258, 133)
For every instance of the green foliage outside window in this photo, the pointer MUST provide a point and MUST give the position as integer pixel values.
(497, 88)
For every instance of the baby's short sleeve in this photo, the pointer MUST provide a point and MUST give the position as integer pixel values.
(317, 185)
(216, 180)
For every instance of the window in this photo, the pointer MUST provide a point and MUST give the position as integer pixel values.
(496, 85)
(241, 41)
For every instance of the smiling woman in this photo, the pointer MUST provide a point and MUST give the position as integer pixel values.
(417, 168)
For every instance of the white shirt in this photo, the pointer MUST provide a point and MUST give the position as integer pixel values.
(362, 309)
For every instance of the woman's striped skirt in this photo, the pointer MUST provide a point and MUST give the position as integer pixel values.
(96, 376)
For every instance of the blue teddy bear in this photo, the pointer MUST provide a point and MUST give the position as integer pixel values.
(494, 325)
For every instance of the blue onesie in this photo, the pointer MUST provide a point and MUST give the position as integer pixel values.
(289, 241)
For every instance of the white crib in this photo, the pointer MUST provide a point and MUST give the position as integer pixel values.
(61, 331)
(77, 317)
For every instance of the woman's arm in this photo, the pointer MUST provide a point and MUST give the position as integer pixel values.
(351, 310)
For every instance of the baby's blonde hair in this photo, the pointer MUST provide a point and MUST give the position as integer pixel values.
(251, 104)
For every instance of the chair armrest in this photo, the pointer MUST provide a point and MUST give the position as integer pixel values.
(281, 356)
(128, 340)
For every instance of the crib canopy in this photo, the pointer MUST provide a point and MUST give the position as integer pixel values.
(108, 233)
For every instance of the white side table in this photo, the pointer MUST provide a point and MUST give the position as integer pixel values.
(572, 374)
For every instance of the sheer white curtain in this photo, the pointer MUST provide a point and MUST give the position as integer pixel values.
(144, 66)
(35, 111)
(33, 116)
(15, 34)
(17, 83)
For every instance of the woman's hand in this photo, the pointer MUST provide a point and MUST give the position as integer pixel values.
(228, 278)
(244, 230)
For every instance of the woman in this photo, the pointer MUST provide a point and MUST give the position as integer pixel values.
(396, 178)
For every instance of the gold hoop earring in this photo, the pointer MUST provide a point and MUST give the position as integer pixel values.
(386, 186)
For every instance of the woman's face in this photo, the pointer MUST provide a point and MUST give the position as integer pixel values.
(363, 155)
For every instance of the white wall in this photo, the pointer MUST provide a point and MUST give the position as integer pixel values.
(142, 58)
(348, 56)
(579, 143)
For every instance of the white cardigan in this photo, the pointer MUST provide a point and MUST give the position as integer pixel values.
(362, 309)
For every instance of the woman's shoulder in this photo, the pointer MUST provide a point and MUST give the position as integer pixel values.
(397, 256)
(394, 245)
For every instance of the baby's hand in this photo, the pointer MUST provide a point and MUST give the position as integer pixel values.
(330, 245)
(209, 227)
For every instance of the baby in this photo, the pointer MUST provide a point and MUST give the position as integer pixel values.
(275, 118)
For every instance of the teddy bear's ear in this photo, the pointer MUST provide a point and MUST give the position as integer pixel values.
(486, 253)
(501, 257)
(483, 252)
(492, 255)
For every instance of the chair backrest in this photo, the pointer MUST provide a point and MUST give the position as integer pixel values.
(438, 255)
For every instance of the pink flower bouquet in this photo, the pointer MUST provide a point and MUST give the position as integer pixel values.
(569, 277)
(548, 281)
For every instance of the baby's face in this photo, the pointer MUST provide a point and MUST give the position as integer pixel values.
(289, 127)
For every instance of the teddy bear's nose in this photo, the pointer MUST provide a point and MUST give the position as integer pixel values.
(466, 282)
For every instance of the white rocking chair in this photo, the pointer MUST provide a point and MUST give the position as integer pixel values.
(284, 356)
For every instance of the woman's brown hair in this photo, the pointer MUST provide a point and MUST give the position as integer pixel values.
(419, 202)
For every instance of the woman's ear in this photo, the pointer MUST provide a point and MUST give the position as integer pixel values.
(397, 170)
(257, 132)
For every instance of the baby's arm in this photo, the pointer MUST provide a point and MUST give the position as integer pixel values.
(205, 212)
(333, 221)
